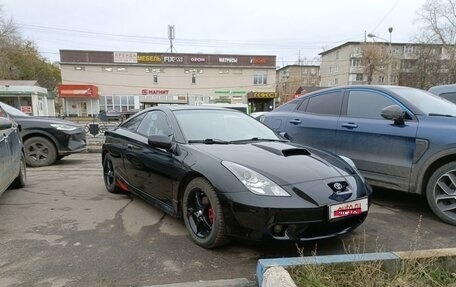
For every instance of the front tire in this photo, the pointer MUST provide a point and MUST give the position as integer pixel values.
(203, 216)
(441, 193)
(109, 175)
(39, 151)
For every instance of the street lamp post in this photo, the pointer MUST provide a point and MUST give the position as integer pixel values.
(390, 30)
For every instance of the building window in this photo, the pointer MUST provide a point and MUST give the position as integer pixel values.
(337, 55)
(336, 81)
(153, 70)
(260, 77)
(223, 71)
(79, 68)
(356, 62)
(193, 79)
(107, 69)
(155, 79)
(381, 79)
(330, 70)
(359, 77)
(336, 69)
(122, 69)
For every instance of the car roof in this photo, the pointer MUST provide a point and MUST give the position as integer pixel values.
(443, 89)
(189, 107)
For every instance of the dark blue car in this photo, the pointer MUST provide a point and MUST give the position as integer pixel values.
(399, 138)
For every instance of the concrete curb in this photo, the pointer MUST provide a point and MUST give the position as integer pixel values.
(263, 265)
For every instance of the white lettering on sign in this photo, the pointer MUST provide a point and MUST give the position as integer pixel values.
(228, 60)
(169, 59)
(125, 57)
(197, 60)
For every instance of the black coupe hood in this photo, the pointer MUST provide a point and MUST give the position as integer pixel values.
(44, 120)
(283, 162)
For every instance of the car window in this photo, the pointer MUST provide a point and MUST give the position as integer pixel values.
(155, 123)
(449, 96)
(367, 104)
(303, 106)
(327, 104)
(134, 123)
(288, 107)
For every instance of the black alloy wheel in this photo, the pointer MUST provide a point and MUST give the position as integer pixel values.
(203, 214)
(441, 193)
(39, 151)
(109, 175)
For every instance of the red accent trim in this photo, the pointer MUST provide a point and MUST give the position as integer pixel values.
(122, 185)
(210, 215)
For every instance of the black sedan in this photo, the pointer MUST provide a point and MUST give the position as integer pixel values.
(12, 162)
(228, 175)
(46, 139)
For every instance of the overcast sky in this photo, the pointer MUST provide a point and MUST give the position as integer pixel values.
(286, 28)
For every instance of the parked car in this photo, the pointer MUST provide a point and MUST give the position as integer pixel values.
(445, 91)
(257, 115)
(12, 161)
(46, 139)
(228, 175)
(399, 138)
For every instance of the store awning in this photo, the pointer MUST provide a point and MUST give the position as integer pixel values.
(77, 91)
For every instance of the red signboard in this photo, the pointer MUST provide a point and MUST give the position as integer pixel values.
(26, 109)
(77, 91)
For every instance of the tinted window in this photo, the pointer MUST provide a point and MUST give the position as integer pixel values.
(288, 107)
(133, 124)
(303, 106)
(327, 104)
(449, 96)
(155, 123)
(367, 104)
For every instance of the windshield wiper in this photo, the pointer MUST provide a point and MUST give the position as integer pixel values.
(257, 139)
(440, 115)
(209, 141)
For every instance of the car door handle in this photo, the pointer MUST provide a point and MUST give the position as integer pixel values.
(295, 121)
(350, 125)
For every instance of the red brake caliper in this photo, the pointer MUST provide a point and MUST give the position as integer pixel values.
(210, 215)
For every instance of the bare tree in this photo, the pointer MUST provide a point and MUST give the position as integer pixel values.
(438, 18)
(373, 59)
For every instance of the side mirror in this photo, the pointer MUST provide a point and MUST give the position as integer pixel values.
(5, 124)
(160, 141)
(394, 113)
(284, 135)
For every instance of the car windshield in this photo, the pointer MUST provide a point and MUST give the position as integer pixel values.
(428, 103)
(12, 111)
(221, 126)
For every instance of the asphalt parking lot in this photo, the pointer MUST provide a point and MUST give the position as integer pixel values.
(65, 229)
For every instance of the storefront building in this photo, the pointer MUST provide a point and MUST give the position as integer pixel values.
(27, 97)
(79, 100)
(135, 80)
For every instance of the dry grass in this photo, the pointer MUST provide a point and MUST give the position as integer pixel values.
(407, 273)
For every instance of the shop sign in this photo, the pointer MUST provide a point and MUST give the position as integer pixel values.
(26, 109)
(125, 57)
(258, 60)
(154, 92)
(229, 60)
(263, 95)
(170, 59)
(198, 60)
(149, 58)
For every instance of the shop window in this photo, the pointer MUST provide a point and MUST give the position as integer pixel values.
(155, 79)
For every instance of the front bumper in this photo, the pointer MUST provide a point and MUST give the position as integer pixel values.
(289, 218)
(72, 143)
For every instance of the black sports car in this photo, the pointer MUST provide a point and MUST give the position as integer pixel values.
(229, 175)
(46, 139)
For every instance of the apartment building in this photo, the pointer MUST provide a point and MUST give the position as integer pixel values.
(348, 64)
(293, 80)
(121, 81)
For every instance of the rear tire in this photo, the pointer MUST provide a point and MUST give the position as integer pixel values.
(109, 175)
(39, 151)
(21, 179)
(203, 215)
(441, 193)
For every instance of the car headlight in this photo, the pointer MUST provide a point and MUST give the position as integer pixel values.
(63, 127)
(352, 164)
(253, 181)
